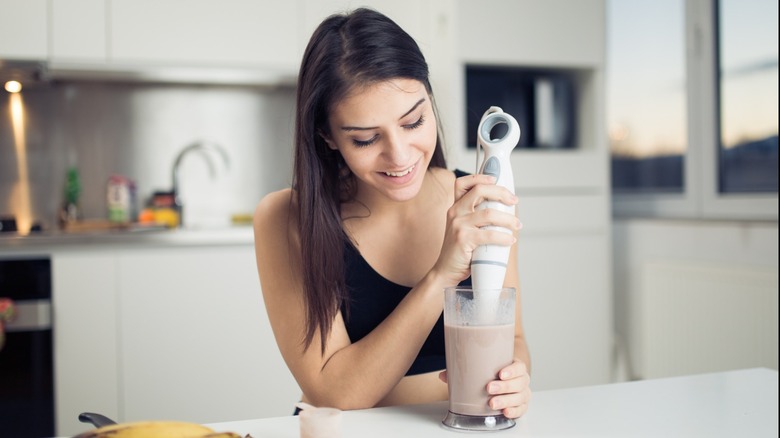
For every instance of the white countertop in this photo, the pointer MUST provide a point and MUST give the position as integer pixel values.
(739, 403)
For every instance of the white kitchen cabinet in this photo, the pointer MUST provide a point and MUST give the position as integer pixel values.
(79, 31)
(230, 33)
(24, 29)
(196, 344)
(158, 331)
(86, 350)
(532, 32)
(565, 286)
(567, 310)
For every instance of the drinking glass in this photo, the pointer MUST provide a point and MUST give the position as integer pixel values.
(479, 331)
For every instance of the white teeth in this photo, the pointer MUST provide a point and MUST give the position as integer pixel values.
(402, 173)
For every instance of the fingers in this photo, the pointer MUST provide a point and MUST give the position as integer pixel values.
(492, 217)
(470, 192)
(513, 404)
(443, 376)
(512, 392)
(465, 183)
(473, 190)
(515, 411)
(468, 228)
(516, 369)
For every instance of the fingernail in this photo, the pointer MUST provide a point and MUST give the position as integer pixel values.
(505, 375)
(493, 388)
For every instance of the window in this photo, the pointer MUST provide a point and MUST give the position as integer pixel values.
(747, 55)
(692, 103)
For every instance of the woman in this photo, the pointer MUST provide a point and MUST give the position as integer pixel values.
(354, 258)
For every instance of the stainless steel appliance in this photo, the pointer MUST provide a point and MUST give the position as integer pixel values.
(26, 360)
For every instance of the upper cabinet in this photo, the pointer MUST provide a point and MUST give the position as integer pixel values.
(532, 32)
(116, 35)
(23, 29)
(79, 31)
(227, 33)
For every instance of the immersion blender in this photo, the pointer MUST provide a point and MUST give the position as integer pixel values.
(488, 262)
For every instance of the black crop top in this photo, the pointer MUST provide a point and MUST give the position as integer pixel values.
(372, 298)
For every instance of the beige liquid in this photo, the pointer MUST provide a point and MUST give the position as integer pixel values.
(475, 355)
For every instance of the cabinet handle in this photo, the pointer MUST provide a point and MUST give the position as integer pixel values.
(31, 315)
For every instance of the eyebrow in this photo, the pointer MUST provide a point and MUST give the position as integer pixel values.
(359, 128)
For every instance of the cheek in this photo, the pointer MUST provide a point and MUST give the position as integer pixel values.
(358, 160)
(427, 136)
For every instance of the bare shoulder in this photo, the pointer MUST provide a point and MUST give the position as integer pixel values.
(444, 175)
(445, 178)
(277, 245)
(275, 215)
(274, 207)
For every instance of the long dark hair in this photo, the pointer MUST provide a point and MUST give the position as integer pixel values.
(346, 50)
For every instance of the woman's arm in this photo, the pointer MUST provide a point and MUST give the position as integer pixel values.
(346, 376)
(354, 376)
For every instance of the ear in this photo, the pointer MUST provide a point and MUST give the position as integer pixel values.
(331, 144)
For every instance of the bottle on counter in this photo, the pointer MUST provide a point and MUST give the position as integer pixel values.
(120, 197)
(69, 212)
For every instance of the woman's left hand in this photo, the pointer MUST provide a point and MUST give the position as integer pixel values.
(512, 392)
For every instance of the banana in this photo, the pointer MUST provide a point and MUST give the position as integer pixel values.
(156, 429)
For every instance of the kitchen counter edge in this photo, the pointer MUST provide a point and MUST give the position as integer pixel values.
(238, 235)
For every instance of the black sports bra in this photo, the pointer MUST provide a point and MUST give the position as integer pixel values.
(372, 298)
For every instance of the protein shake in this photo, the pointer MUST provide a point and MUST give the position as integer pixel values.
(479, 340)
(475, 355)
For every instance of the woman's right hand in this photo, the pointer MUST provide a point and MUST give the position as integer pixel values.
(463, 233)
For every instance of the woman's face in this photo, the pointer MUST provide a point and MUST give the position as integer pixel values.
(386, 133)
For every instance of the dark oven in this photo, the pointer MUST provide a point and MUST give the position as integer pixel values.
(26, 358)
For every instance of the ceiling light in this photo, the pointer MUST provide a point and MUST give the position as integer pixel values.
(13, 86)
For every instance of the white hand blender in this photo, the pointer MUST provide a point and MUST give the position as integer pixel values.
(488, 262)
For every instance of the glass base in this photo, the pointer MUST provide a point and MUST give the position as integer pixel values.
(475, 423)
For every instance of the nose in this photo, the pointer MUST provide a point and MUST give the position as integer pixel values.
(397, 150)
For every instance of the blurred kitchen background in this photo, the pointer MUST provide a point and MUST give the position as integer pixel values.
(138, 130)
(647, 173)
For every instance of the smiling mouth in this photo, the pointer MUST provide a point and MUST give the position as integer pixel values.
(401, 173)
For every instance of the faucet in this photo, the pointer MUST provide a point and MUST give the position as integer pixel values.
(202, 147)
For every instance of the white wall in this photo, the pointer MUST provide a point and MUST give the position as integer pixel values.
(747, 247)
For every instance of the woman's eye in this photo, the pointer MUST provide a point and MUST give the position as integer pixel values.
(364, 143)
(416, 124)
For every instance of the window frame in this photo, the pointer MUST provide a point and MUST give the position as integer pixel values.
(700, 198)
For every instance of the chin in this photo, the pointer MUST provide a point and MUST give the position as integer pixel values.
(407, 191)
